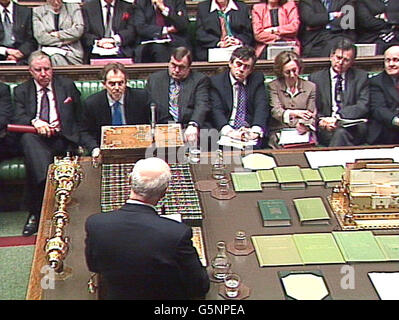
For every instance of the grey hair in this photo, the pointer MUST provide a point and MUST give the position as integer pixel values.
(38, 54)
(147, 187)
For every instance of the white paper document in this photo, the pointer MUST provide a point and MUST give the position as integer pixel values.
(54, 50)
(290, 136)
(386, 284)
(166, 40)
(230, 142)
(342, 157)
(105, 52)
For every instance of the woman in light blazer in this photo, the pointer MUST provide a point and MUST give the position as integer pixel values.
(58, 27)
(275, 20)
(292, 99)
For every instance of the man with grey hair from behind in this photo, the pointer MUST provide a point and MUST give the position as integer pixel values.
(139, 254)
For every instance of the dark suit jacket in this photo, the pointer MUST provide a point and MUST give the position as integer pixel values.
(384, 106)
(22, 30)
(314, 18)
(67, 102)
(6, 109)
(368, 27)
(193, 98)
(141, 255)
(208, 30)
(97, 113)
(355, 102)
(122, 24)
(221, 98)
(144, 20)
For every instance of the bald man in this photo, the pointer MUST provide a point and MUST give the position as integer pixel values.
(139, 254)
(384, 101)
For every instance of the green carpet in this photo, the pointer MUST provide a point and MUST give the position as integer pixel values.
(12, 223)
(15, 265)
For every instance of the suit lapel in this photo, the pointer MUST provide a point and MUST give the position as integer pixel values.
(228, 90)
(184, 95)
(326, 89)
(117, 16)
(349, 87)
(60, 96)
(391, 88)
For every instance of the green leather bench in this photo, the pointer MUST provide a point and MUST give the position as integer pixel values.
(14, 169)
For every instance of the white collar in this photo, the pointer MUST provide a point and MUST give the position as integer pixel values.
(230, 6)
(131, 201)
(9, 7)
(104, 4)
(39, 87)
(112, 101)
(334, 74)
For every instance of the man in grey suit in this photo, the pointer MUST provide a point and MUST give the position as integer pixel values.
(342, 93)
(180, 94)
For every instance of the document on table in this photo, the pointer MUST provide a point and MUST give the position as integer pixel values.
(105, 52)
(290, 136)
(54, 50)
(342, 157)
(386, 284)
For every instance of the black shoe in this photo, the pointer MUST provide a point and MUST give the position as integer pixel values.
(30, 227)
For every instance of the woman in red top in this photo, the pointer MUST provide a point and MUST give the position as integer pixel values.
(275, 20)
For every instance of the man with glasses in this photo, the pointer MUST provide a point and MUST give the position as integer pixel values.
(180, 94)
(239, 101)
(384, 101)
(342, 93)
(116, 105)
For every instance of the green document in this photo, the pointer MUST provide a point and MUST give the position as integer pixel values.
(318, 248)
(288, 174)
(274, 212)
(359, 246)
(311, 210)
(267, 178)
(277, 250)
(312, 176)
(245, 181)
(390, 246)
(331, 173)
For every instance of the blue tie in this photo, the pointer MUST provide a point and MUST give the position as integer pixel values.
(116, 114)
(240, 119)
(174, 91)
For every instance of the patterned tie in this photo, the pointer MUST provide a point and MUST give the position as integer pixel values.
(116, 114)
(159, 19)
(327, 4)
(45, 106)
(108, 22)
(7, 26)
(174, 90)
(338, 91)
(240, 119)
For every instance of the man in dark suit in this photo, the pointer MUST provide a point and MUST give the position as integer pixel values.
(16, 35)
(377, 22)
(164, 20)
(384, 101)
(239, 99)
(105, 107)
(323, 22)
(139, 254)
(109, 25)
(180, 94)
(211, 32)
(6, 113)
(341, 92)
(51, 105)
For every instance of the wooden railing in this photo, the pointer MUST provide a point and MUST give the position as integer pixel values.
(143, 70)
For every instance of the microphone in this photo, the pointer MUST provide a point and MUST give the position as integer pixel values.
(153, 107)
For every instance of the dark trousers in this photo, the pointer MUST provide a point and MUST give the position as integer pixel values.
(153, 52)
(351, 136)
(39, 153)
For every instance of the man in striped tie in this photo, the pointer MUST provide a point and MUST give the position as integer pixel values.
(240, 108)
(180, 94)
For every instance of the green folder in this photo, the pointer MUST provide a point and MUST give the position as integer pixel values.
(312, 176)
(288, 174)
(318, 248)
(359, 246)
(274, 212)
(245, 181)
(267, 177)
(331, 174)
(311, 210)
(278, 250)
(390, 246)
